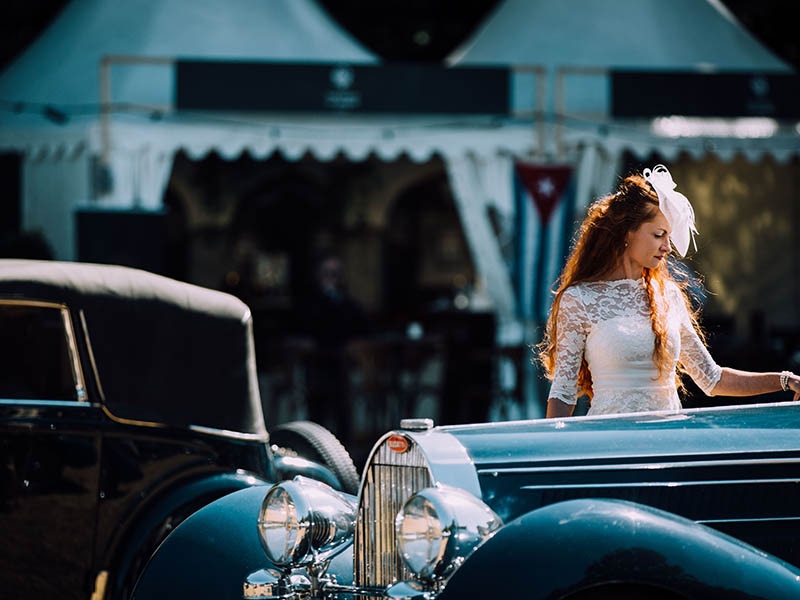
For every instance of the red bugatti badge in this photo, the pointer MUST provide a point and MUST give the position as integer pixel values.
(398, 443)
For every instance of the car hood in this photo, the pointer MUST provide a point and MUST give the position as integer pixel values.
(657, 436)
(523, 465)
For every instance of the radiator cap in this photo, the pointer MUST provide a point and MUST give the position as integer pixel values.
(416, 424)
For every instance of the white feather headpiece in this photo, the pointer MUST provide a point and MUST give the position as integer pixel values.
(675, 206)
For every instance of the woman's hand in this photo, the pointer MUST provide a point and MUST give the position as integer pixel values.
(793, 384)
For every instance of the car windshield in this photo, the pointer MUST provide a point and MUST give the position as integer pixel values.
(35, 353)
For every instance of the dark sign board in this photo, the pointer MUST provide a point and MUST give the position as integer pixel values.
(132, 238)
(301, 87)
(652, 94)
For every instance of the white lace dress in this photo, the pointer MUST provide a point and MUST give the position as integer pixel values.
(608, 322)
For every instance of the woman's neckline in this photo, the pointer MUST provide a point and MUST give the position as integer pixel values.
(617, 281)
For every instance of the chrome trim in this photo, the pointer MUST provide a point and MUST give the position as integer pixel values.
(304, 523)
(449, 461)
(389, 479)
(39, 303)
(449, 518)
(77, 370)
(45, 403)
(640, 466)
(252, 437)
(100, 584)
(416, 424)
(226, 433)
(753, 520)
(90, 352)
(270, 584)
(665, 484)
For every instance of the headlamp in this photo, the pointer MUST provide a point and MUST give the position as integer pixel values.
(304, 521)
(438, 527)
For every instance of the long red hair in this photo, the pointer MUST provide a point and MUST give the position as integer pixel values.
(598, 250)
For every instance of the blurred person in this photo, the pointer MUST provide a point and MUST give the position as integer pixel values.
(330, 315)
(622, 327)
(328, 320)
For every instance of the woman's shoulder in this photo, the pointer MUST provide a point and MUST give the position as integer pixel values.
(572, 297)
(672, 289)
(575, 291)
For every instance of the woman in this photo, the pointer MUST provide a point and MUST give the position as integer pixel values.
(621, 326)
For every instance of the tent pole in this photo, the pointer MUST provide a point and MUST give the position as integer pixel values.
(539, 103)
(105, 107)
(561, 100)
(537, 113)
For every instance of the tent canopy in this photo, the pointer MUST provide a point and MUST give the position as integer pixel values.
(263, 30)
(683, 34)
(61, 68)
(584, 39)
(651, 34)
(630, 34)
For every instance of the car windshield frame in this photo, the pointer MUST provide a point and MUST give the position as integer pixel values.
(70, 354)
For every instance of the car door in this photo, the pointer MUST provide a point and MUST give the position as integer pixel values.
(49, 455)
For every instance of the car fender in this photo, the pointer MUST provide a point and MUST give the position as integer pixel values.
(575, 545)
(154, 521)
(211, 553)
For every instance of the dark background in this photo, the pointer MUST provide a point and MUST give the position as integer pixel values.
(415, 30)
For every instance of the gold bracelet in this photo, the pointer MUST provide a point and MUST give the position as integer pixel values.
(785, 380)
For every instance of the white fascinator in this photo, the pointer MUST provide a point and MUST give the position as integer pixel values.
(675, 206)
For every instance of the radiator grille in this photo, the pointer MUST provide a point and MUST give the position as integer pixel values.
(390, 479)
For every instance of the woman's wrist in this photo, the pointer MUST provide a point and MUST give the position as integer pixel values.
(785, 379)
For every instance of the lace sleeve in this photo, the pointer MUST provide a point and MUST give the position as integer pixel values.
(572, 327)
(694, 356)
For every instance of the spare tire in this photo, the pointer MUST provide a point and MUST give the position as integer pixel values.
(313, 442)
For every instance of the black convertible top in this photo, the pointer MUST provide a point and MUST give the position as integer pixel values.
(166, 351)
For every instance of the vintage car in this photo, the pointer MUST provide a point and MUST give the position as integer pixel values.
(701, 503)
(127, 401)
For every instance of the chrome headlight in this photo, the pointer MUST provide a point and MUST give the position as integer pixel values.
(304, 521)
(438, 527)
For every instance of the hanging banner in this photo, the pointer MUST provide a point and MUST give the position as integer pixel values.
(545, 198)
(637, 94)
(341, 88)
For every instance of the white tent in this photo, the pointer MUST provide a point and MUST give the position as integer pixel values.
(577, 42)
(61, 71)
(616, 33)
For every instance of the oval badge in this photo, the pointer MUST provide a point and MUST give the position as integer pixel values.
(398, 443)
